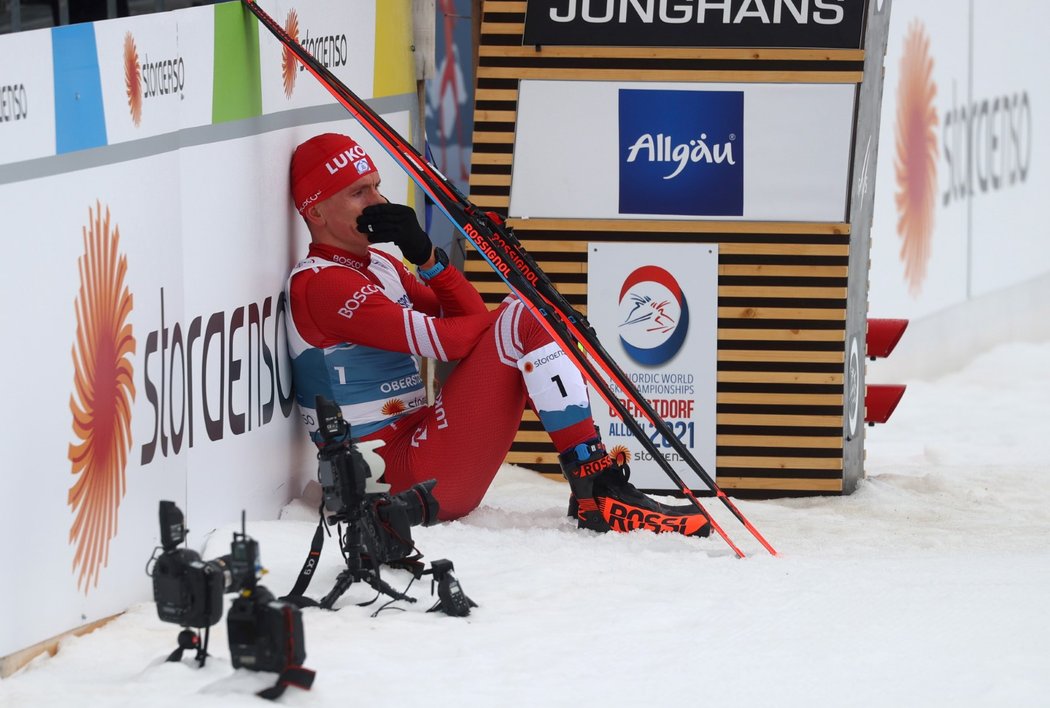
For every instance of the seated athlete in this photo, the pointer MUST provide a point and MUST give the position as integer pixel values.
(359, 320)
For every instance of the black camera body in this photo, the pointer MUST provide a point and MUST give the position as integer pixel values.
(384, 520)
(379, 525)
(188, 590)
(395, 514)
(343, 475)
(265, 634)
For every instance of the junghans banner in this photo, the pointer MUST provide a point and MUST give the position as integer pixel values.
(830, 24)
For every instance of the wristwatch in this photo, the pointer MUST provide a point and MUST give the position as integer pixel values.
(440, 261)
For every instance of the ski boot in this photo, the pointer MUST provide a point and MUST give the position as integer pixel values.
(602, 499)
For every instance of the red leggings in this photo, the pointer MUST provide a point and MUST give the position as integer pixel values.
(463, 438)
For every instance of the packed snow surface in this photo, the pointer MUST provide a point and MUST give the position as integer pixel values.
(929, 586)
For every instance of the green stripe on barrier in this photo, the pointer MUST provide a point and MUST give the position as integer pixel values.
(237, 88)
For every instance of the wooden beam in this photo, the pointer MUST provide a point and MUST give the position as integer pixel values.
(781, 399)
(763, 419)
(779, 484)
(505, 5)
(13, 662)
(488, 94)
(781, 313)
(517, 28)
(784, 335)
(780, 377)
(791, 271)
(780, 463)
(488, 201)
(492, 158)
(482, 136)
(491, 180)
(495, 116)
(785, 357)
(516, 457)
(783, 292)
(780, 441)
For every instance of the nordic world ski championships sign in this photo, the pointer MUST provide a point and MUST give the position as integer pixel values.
(829, 24)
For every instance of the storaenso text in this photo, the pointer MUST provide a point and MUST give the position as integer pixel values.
(224, 368)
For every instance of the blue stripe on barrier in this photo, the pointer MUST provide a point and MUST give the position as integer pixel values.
(80, 120)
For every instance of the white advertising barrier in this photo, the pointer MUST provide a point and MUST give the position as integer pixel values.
(344, 42)
(961, 181)
(656, 308)
(207, 401)
(683, 151)
(156, 73)
(142, 289)
(27, 100)
(83, 533)
(1011, 154)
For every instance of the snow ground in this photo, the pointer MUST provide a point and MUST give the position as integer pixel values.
(926, 587)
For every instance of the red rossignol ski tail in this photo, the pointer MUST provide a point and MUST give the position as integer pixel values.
(501, 249)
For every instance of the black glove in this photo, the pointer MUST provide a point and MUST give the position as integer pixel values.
(397, 224)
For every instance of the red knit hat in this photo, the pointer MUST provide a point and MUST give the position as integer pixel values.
(323, 165)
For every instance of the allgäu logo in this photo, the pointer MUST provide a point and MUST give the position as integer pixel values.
(681, 152)
(654, 316)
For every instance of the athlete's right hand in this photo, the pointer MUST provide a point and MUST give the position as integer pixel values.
(397, 224)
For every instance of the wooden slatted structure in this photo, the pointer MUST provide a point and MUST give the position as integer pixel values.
(782, 287)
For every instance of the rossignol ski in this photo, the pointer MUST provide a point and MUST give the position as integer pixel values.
(498, 245)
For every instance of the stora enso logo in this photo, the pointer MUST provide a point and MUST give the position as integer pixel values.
(952, 156)
(681, 152)
(104, 389)
(654, 316)
(288, 59)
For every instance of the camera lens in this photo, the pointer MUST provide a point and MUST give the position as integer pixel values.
(420, 504)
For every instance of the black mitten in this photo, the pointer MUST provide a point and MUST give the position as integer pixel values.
(397, 224)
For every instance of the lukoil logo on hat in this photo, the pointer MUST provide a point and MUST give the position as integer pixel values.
(325, 164)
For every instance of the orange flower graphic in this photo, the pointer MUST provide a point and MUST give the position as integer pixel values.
(394, 406)
(916, 159)
(101, 405)
(289, 64)
(621, 454)
(133, 78)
